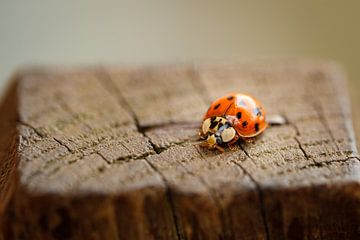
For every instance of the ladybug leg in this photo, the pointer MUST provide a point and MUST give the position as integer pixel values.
(219, 148)
(232, 146)
(204, 145)
(208, 146)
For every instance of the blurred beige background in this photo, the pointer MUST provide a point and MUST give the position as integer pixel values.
(90, 32)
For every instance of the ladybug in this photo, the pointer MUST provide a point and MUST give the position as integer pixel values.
(241, 112)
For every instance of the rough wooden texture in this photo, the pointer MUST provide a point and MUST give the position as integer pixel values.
(113, 154)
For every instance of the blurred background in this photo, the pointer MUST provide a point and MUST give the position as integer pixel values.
(139, 31)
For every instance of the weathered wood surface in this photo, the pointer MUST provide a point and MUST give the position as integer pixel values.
(113, 154)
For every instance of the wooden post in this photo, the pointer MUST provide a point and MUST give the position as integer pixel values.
(113, 154)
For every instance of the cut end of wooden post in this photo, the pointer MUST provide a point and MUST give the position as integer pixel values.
(114, 154)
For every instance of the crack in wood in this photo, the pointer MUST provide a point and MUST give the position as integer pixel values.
(303, 150)
(320, 112)
(216, 200)
(156, 148)
(329, 162)
(297, 132)
(46, 164)
(133, 158)
(321, 164)
(49, 163)
(58, 141)
(170, 201)
(31, 127)
(108, 85)
(63, 144)
(259, 190)
(168, 191)
(103, 157)
(187, 124)
(172, 144)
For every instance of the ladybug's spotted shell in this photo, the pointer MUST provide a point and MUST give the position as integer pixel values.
(245, 113)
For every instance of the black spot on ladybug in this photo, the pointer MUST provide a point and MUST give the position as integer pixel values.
(238, 115)
(244, 124)
(256, 127)
(230, 98)
(213, 124)
(217, 106)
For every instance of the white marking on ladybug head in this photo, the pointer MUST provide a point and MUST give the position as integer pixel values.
(228, 134)
(206, 126)
(211, 125)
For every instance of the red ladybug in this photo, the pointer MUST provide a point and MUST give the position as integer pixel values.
(244, 113)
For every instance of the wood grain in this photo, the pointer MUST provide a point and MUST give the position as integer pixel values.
(112, 153)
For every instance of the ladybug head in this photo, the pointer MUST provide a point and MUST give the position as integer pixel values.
(217, 131)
